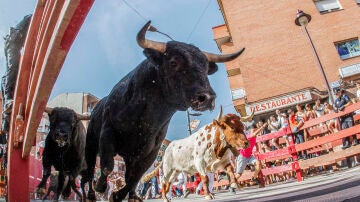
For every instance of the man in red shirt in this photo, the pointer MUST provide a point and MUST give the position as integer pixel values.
(247, 157)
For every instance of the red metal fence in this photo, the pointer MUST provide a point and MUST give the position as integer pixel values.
(320, 139)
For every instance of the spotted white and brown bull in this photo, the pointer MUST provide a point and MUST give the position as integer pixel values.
(207, 150)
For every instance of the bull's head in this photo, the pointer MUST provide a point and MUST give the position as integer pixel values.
(232, 135)
(63, 123)
(184, 69)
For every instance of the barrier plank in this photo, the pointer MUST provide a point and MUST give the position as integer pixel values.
(326, 117)
(330, 158)
(329, 138)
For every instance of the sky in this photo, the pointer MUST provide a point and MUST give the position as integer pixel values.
(105, 49)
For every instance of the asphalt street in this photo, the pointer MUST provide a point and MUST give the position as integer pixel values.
(343, 185)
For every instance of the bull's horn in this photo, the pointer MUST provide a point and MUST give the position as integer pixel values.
(222, 58)
(220, 114)
(247, 118)
(82, 117)
(48, 110)
(145, 43)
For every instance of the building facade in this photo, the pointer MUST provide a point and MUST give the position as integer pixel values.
(278, 68)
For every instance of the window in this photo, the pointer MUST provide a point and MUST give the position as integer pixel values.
(238, 93)
(326, 6)
(349, 48)
(90, 107)
(233, 72)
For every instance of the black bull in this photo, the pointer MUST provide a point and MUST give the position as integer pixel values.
(64, 149)
(133, 119)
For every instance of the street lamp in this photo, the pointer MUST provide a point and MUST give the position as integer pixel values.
(188, 119)
(302, 19)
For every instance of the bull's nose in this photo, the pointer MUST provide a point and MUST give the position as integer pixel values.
(203, 97)
(205, 101)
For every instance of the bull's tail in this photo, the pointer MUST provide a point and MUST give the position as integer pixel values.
(150, 175)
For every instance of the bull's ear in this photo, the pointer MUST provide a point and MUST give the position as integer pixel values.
(153, 56)
(212, 68)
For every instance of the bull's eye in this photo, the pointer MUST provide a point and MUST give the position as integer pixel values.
(173, 64)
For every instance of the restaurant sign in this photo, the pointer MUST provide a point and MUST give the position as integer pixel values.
(280, 102)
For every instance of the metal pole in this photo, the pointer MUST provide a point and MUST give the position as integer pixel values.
(188, 121)
(320, 66)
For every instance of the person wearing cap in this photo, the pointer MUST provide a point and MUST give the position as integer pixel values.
(342, 101)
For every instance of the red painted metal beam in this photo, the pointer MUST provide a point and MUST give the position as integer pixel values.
(53, 28)
(18, 168)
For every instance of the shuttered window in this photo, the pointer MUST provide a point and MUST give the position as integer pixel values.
(349, 48)
(326, 6)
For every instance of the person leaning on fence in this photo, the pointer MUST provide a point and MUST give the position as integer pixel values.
(283, 121)
(264, 146)
(295, 123)
(342, 101)
(332, 124)
(246, 157)
(357, 96)
(319, 108)
(274, 126)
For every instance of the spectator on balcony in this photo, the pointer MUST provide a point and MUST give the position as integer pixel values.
(309, 112)
(264, 146)
(283, 121)
(319, 108)
(274, 126)
(357, 96)
(301, 116)
(332, 124)
(295, 123)
(300, 113)
(342, 101)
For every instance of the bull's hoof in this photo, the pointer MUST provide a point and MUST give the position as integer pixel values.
(91, 197)
(40, 190)
(209, 197)
(100, 186)
(134, 198)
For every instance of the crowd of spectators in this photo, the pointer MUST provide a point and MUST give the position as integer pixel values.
(293, 117)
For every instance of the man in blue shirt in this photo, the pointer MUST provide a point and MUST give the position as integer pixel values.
(342, 101)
